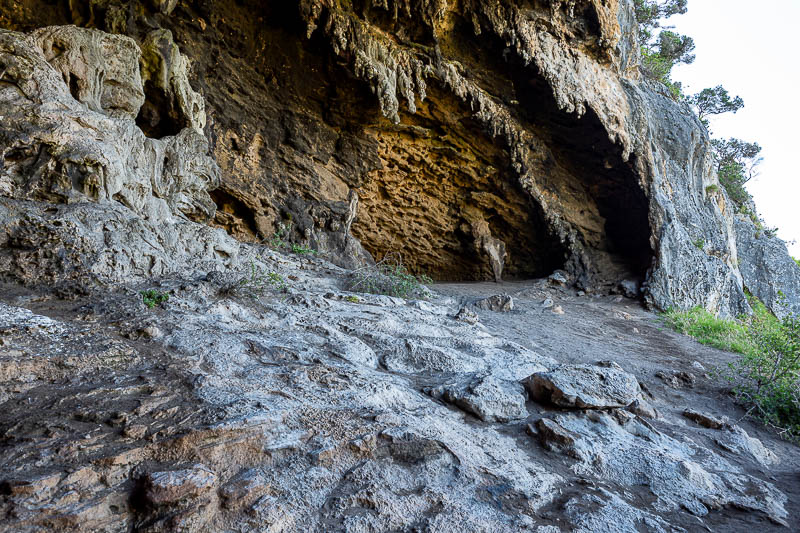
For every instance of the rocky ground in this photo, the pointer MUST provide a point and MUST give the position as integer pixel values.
(263, 395)
(312, 408)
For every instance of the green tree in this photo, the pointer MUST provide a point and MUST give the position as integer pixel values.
(650, 12)
(742, 153)
(661, 48)
(714, 101)
(737, 163)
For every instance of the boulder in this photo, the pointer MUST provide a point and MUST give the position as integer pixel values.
(499, 303)
(602, 385)
(487, 397)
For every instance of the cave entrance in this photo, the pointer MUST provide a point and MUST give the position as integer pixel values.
(447, 200)
(600, 192)
(441, 173)
(595, 193)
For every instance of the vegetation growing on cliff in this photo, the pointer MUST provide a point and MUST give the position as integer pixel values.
(662, 48)
(714, 101)
(766, 378)
(152, 298)
(737, 163)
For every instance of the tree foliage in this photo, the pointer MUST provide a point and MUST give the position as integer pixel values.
(650, 12)
(737, 163)
(715, 101)
(662, 48)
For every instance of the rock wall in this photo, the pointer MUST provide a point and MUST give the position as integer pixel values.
(477, 139)
(768, 271)
(84, 194)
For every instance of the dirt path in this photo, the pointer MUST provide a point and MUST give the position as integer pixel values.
(598, 328)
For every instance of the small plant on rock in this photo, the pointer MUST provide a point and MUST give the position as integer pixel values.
(699, 244)
(152, 297)
(390, 277)
(302, 250)
(258, 283)
(279, 241)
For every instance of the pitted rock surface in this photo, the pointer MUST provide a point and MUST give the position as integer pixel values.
(626, 448)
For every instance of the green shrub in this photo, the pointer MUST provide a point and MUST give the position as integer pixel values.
(662, 49)
(258, 283)
(152, 298)
(302, 250)
(766, 378)
(390, 277)
(731, 176)
(796, 260)
(699, 244)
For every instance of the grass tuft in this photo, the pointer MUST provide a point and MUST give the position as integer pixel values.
(152, 298)
(390, 277)
(728, 335)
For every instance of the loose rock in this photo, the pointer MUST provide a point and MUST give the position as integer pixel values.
(585, 386)
(500, 303)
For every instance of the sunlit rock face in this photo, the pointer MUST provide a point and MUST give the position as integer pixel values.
(478, 140)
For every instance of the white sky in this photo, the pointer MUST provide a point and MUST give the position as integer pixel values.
(751, 49)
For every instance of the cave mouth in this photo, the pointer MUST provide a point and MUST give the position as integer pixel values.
(606, 203)
(448, 202)
(600, 193)
(441, 173)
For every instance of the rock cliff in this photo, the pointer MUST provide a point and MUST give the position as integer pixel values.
(477, 139)
(163, 143)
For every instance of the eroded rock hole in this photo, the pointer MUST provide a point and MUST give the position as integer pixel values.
(234, 216)
(74, 89)
(159, 117)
